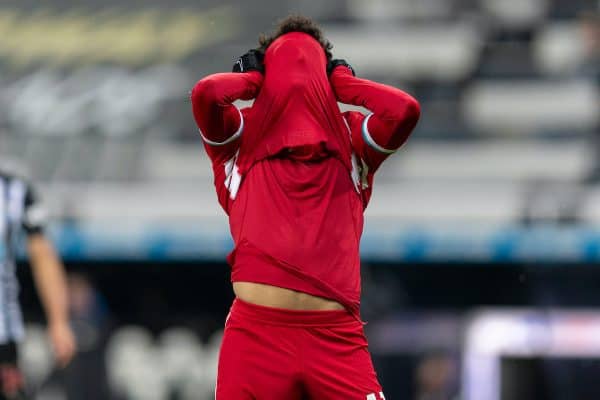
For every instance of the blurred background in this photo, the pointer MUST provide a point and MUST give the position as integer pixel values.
(481, 274)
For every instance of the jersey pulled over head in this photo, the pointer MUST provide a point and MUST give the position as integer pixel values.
(296, 111)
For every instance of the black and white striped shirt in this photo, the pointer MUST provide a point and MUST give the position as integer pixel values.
(20, 212)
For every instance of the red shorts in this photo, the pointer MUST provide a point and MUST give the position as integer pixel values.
(276, 354)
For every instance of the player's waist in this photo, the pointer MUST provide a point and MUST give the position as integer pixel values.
(276, 296)
(280, 316)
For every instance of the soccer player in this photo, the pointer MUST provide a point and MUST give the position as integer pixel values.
(20, 210)
(294, 175)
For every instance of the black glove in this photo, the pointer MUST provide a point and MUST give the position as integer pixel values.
(251, 61)
(331, 65)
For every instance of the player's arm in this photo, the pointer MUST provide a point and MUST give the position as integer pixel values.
(394, 113)
(220, 121)
(49, 277)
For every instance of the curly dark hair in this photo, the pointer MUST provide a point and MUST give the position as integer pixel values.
(296, 23)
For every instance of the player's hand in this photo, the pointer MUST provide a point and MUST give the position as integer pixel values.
(333, 64)
(62, 341)
(251, 61)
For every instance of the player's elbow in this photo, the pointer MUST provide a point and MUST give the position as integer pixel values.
(404, 124)
(204, 92)
(407, 118)
(412, 111)
(406, 111)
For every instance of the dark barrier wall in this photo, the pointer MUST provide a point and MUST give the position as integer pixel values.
(196, 295)
(137, 291)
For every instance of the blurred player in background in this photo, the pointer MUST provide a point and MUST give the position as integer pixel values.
(20, 211)
(294, 175)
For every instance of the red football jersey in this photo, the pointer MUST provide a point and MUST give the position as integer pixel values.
(293, 173)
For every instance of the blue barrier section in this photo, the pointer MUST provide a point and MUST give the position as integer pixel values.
(381, 243)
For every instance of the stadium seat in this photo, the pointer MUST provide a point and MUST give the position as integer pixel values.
(129, 350)
(558, 48)
(590, 207)
(446, 52)
(198, 385)
(180, 355)
(517, 107)
(428, 202)
(146, 382)
(516, 13)
(377, 10)
(496, 161)
(52, 392)
(170, 160)
(36, 356)
(209, 367)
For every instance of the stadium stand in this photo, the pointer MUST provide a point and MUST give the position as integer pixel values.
(508, 92)
(504, 165)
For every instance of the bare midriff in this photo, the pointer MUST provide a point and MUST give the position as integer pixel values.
(273, 296)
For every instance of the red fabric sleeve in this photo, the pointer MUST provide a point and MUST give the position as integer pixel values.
(395, 114)
(212, 99)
